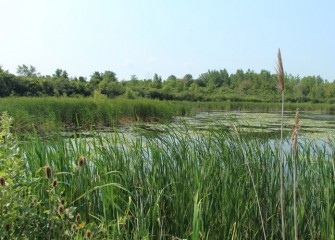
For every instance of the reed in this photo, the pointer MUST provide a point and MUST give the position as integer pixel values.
(294, 146)
(281, 88)
(53, 114)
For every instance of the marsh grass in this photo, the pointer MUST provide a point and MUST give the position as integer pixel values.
(179, 185)
(281, 88)
(54, 114)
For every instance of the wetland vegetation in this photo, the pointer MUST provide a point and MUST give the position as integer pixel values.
(121, 164)
(189, 180)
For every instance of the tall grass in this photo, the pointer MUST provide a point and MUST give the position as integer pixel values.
(181, 186)
(45, 114)
(50, 114)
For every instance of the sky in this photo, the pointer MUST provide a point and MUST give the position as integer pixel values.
(168, 37)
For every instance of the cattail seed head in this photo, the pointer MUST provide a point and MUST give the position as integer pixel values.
(2, 181)
(280, 73)
(78, 217)
(74, 227)
(8, 227)
(88, 234)
(48, 172)
(81, 161)
(60, 209)
(54, 183)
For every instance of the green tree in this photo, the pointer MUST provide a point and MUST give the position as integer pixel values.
(26, 71)
(157, 81)
(109, 76)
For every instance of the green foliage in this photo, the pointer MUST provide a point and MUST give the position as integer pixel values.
(213, 85)
(173, 184)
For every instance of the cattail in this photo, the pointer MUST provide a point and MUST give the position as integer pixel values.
(2, 181)
(48, 172)
(60, 209)
(78, 217)
(8, 227)
(81, 161)
(74, 227)
(88, 234)
(54, 183)
(62, 201)
(280, 73)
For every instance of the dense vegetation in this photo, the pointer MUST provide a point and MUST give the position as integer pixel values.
(218, 183)
(174, 185)
(210, 86)
(54, 114)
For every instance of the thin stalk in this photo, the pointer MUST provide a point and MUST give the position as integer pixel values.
(281, 88)
(281, 168)
(294, 141)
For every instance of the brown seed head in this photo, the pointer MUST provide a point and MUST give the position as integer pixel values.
(48, 172)
(54, 183)
(88, 234)
(2, 181)
(81, 161)
(78, 217)
(74, 227)
(8, 227)
(60, 209)
(280, 73)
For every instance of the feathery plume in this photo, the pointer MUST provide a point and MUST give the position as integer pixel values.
(280, 73)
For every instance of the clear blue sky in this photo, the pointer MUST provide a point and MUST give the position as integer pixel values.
(144, 37)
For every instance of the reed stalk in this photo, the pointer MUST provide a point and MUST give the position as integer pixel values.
(294, 145)
(281, 88)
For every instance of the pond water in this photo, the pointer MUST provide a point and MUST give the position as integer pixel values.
(311, 125)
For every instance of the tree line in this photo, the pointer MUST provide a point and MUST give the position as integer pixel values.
(213, 85)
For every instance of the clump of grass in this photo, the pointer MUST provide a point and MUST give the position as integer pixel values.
(175, 183)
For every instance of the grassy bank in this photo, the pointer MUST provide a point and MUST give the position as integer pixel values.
(45, 114)
(176, 186)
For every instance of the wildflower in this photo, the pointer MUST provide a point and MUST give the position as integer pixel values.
(81, 161)
(2, 181)
(48, 171)
(60, 209)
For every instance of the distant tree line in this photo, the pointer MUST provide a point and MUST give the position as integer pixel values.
(213, 85)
